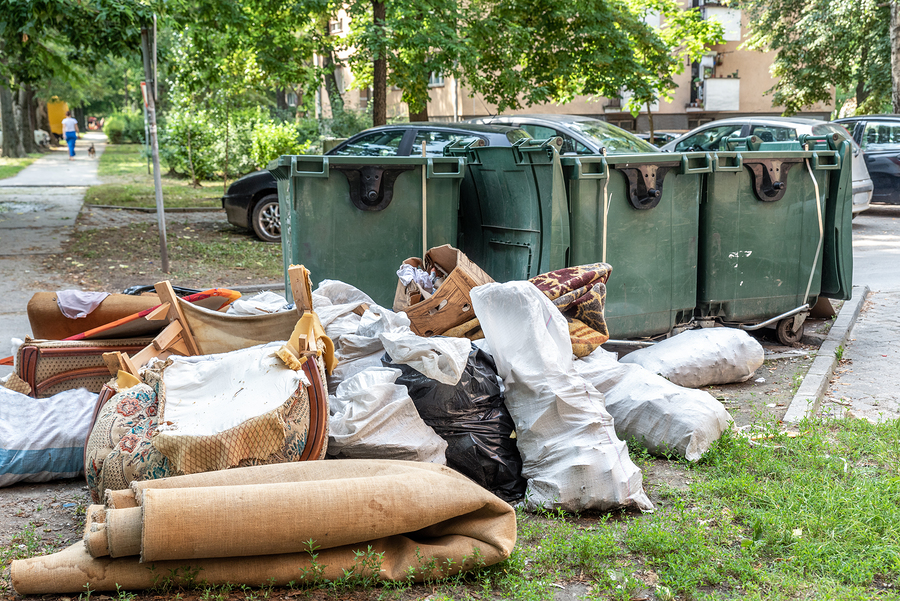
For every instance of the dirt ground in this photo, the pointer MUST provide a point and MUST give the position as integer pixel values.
(40, 518)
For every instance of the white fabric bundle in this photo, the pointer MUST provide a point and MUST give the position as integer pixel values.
(664, 416)
(43, 439)
(702, 357)
(372, 417)
(570, 452)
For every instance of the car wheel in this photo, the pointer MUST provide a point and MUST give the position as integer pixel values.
(266, 219)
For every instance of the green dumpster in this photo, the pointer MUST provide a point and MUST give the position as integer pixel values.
(639, 213)
(356, 219)
(513, 219)
(763, 231)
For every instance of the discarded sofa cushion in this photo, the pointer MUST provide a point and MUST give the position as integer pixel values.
(118, 450)
(702, 357)
(580, 295)
(666, 418)
(224, 410)
(372, 417)
(570, 452)
(42, 439)
(471, 416)
(385, 519)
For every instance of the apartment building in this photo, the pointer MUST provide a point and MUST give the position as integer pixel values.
(727, 82)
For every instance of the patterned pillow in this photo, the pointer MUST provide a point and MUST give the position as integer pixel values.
(119, 449)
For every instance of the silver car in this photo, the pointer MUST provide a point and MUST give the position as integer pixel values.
(711, 137)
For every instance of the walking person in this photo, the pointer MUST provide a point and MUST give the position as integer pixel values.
(70, 131)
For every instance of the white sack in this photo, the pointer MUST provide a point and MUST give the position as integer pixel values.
(373, 418)
(570, 452)
(647, 407)
(439, 358)
(702, 357)
(43, 439)
(264, 303)
(363, 348)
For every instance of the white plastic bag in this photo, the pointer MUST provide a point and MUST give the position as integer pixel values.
(570, 452)
(373, 418)
(664, 416)
(43, 439)
(441, 359)
(702, 357)
(264, 303)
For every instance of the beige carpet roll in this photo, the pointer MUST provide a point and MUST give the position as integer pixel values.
(123, 532)
(422, 517)
(119, 499)
(72, 569)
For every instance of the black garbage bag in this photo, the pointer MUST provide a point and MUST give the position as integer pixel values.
(472, 417)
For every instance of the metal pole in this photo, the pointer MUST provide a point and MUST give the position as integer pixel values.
(154, 147)
(424, 206)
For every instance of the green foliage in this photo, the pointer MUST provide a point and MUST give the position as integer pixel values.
(821, 44)
(345, 123)
(271, 140)
(125, 128)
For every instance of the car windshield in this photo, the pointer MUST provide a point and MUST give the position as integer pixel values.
(614, 139)
(375, 144)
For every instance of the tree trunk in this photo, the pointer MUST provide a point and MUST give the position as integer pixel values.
(27, 111)
(861, 93)
(11, 143)
(331, 86)
(18, 119)
(420, 116)
(379, 75)
(895, 54)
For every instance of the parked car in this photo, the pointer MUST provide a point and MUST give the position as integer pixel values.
(581, 135)
(252, 201)
(712, 136)
(660, 137)
(879, 138)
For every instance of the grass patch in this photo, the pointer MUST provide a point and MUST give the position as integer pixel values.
(9, 166)
(175, 195)
(123, 168)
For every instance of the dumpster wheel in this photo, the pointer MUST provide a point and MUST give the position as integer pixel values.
(786, 334)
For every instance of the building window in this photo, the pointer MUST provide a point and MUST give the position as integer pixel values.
(435, 80)
(336, 26)
(291, 98)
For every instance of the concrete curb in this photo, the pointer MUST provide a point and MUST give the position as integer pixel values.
(808, 400)
(153, 209)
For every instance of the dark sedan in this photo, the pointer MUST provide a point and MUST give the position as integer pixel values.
(252, 201)
(879, 138)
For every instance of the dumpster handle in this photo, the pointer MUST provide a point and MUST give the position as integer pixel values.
(759, 326)
(720, 162)
(322, 173)
(580, 173)
(828, 155)
(811, 139)
(821, 231)
(432, 174)
(686, 163)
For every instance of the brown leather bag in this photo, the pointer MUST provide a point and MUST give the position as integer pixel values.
(51, 366)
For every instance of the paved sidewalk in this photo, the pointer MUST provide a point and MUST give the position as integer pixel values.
(55, 169)
(38, 209)
(865, 387)
(865, 382)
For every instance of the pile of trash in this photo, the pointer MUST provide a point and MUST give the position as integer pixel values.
(466, 396)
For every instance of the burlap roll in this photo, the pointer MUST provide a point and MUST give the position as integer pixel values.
(427, 519)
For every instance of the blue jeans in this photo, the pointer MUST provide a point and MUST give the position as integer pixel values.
(71, 136)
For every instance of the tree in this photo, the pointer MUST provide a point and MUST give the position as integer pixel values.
(46, 39)
(821, 44)
(685, 36)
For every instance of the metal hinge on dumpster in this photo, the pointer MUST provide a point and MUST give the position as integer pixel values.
(372, 186)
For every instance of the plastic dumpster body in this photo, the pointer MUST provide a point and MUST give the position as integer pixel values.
(763, 234)
(513, 218)
(356, 219)
(639, 213)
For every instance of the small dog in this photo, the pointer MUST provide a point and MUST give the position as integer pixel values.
(91, 152)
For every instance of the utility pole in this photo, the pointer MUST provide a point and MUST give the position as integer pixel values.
(150, 75)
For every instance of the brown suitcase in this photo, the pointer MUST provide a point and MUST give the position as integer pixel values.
(51, 366)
